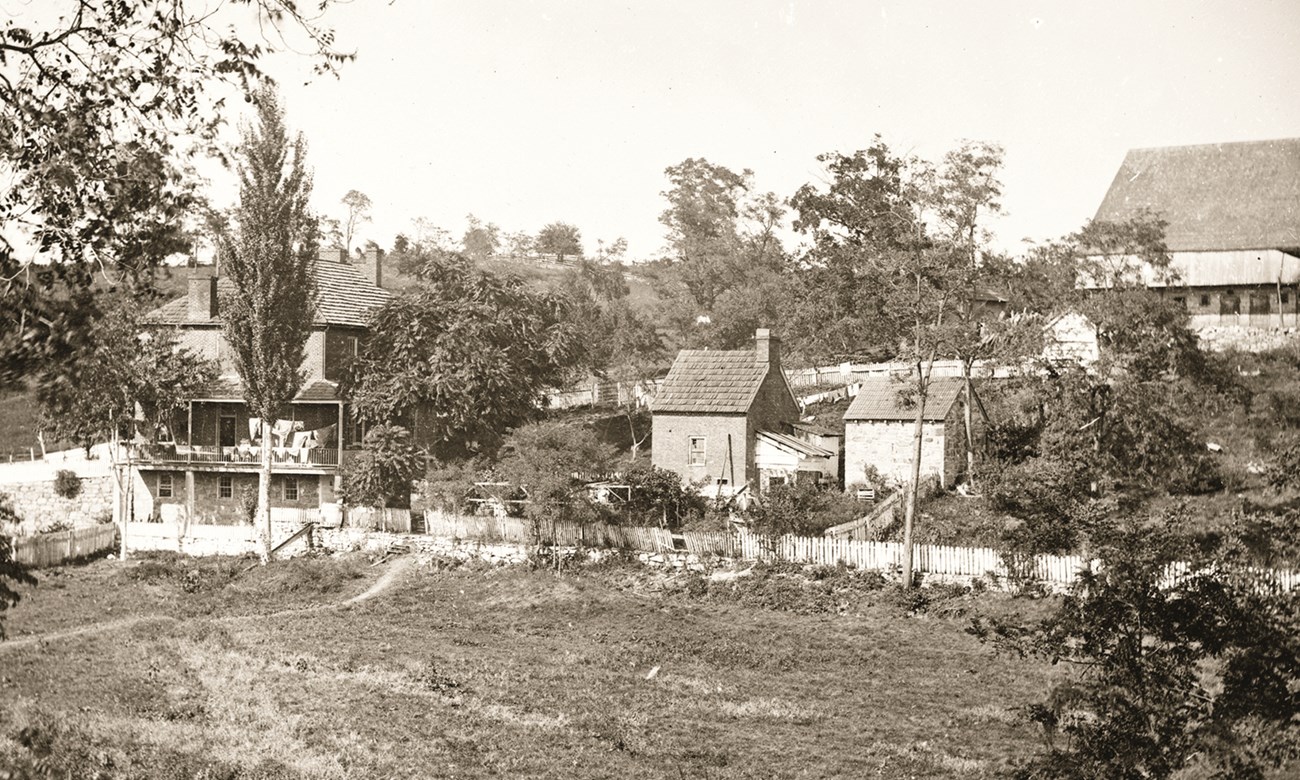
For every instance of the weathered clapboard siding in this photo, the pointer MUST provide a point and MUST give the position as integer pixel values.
(55, 548)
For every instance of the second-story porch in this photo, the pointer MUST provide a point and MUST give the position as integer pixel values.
(316, 434)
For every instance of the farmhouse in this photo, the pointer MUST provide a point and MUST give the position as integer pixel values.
(724, 419)
(203, 468)
(1233, 233)
(880, 423)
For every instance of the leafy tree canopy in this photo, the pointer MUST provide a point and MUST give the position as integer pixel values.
(463, 357)
(96, 100)
(381, 475)
(560, 239)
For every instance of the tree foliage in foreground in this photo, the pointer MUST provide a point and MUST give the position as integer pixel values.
(94, 96)
(553, 462)
(1201, 673)
(462, 357)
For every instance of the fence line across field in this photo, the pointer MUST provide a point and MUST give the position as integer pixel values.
(54, 548)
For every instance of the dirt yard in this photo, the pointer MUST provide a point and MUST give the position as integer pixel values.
(334, 668)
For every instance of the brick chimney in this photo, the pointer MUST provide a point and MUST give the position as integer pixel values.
(202, 296)
(333, 255)
(372, 266)
(767, 348)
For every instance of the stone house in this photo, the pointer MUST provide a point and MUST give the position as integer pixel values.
(724, 420)
(880, 423)
(201, 467)
(1233, 213)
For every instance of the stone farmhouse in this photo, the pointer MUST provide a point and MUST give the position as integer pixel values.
(204, 466)
(880, 423)
(726, 421)
(1234, 227)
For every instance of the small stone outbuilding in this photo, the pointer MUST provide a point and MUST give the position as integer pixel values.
(879, 427)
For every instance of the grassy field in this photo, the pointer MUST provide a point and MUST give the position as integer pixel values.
(205, 670)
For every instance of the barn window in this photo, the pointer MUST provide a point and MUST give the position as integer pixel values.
(290, 488)
(695, 451)
(166, 487)
(226, 487)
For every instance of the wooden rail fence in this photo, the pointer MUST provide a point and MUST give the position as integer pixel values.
(53, 549)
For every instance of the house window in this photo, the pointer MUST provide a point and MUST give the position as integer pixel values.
(695, 451)
(226, 487)
(1205, 300)
(1285, 298)
(290, 488)
(166, 488)
(1180, 300)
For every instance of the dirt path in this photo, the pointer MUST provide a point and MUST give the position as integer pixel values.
(385, 581)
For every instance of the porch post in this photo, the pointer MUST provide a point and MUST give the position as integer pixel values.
(189, 433)
(189, 499)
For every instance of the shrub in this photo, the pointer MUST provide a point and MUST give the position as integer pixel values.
(802, 509)
(382, 474)
(66, 484)
(658, 497)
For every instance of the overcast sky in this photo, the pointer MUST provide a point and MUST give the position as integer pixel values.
(523, 113)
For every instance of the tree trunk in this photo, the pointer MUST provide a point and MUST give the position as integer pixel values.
(909, 515)
(263, 520)
(968, 419)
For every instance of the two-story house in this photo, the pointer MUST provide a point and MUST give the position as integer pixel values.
(205, 468)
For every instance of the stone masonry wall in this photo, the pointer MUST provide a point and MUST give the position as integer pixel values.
(39, 506)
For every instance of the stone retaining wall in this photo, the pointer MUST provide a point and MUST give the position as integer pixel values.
(39, 506)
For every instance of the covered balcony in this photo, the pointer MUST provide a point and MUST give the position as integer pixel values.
(240, 457)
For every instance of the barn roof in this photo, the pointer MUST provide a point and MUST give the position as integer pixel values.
(344, 296)
(1215, 196)
(881, 398)
(708, 381)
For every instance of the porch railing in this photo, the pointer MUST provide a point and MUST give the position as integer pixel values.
(241, 455)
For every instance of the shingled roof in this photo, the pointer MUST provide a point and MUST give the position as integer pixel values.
(230, 388)
(707, 381)
(885, 399)
(1215, 196)
(344, 296)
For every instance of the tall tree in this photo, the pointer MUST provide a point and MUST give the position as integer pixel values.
(462, 357)
(968, 191)
(102, 104)
(269, 262)
(481, 240)
(560, 239)
(870, 224)
(358, 205)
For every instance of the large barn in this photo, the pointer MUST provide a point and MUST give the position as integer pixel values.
(1233, 213)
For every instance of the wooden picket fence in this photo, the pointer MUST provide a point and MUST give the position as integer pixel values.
(743, 545)
(55, 548)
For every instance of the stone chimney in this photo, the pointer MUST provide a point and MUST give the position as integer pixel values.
(372, 266)
(202, 296)
(767, 348)
(333, 255)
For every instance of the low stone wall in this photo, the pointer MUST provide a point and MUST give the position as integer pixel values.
(1247, 339)
(39, 506)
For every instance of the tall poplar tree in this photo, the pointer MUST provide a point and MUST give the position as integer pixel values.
(269, 259)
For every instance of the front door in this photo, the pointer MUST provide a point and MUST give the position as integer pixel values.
(226, 431)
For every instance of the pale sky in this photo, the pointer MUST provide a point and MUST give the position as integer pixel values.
(525, 113)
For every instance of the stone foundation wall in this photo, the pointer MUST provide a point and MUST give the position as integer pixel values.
(39, 506)
(1247, 339)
